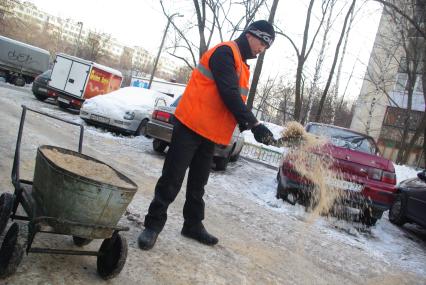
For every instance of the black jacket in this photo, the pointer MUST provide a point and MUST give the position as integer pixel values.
(222, 66)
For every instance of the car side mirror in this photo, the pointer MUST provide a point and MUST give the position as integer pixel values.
(422, 175)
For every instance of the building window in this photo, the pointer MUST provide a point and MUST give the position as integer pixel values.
(401, 82)
(419, 84)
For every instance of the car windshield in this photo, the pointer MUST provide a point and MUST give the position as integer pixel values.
(46, 74)
(345, 138)
(176, 102)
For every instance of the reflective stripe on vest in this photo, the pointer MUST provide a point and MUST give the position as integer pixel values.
(207, 73)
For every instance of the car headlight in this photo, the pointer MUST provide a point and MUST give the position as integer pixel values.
(129, 115)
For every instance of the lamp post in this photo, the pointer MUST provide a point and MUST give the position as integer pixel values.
(78, 39)
(161, 47)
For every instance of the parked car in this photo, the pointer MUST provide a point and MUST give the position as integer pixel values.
(368, 179)
(126, 110)
(410, 202)
(161, 127)
(40, 86)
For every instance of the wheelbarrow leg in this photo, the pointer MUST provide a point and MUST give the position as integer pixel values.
(33, 228)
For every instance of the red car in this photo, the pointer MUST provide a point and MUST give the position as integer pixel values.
(368, 179)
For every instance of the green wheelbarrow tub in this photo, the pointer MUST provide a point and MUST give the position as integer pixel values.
(87, 207)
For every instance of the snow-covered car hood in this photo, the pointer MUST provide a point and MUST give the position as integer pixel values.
(118, 102)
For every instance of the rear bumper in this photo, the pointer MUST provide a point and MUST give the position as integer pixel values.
(370, 196)
(159, 130)
(41, 89)
(71, 101)
(163, 131)
(120, 126)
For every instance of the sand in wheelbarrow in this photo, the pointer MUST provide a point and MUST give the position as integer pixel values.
(86, 168)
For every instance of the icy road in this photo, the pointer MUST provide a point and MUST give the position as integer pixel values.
(261, 240)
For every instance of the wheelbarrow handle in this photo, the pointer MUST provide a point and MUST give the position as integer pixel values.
(15, 168)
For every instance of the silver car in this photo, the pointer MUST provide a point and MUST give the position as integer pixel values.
(126, 110)
(160, 127)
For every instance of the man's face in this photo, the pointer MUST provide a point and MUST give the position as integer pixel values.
(256, 46)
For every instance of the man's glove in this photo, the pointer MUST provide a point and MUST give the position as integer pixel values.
(262, 134)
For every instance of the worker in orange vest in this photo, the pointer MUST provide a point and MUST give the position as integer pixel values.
(211, 106)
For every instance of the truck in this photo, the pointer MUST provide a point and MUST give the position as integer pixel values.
(75, 79)
(20, 63)
(172, 89)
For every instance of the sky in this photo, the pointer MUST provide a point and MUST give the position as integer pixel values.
(142, 23)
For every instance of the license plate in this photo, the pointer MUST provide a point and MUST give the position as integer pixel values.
(99, 118)
(345, 185)
(63, 100)
(42, 89)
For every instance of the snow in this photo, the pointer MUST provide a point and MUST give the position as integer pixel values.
(127, 99)
(385, 240)
(404, 172)
(244, 183)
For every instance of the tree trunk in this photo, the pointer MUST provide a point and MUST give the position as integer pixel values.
(259, 63)
(420, 128)
(336, 55)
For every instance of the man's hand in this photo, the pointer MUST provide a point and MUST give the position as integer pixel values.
(262, 134)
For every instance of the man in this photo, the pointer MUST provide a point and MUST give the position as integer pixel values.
(211, 106)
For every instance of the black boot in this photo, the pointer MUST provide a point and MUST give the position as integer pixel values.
(199, 233)
(147, 239)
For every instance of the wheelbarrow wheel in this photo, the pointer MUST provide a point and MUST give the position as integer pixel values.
(6, 206)
(79, 241)
(11, 252)
(112, 256)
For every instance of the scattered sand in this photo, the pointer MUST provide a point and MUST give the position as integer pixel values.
(86, 168)
(314, 165)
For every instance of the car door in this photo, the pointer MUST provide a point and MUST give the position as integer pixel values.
(416, 202)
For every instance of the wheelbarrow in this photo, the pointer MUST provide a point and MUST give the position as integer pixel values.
(62, 201)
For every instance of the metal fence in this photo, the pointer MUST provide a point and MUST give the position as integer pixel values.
(261, 154)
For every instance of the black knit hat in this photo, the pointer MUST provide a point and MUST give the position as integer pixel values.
(263, 31)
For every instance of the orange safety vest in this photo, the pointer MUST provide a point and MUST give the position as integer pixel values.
(202, 109)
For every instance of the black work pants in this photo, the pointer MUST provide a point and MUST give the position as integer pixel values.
(187, 149)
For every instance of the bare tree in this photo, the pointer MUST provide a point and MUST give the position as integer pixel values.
(303, 53)
(214, 17)
(333, 66)
(94, 48)
(339, 69)
(125, 62)
(319, 63)
(259, 63)
(182, 75)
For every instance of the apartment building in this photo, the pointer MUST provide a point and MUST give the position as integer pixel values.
(382, 108)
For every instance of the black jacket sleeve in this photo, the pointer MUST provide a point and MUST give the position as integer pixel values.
(222, 66)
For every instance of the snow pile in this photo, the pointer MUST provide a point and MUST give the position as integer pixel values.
(118, 102)
(404, 172)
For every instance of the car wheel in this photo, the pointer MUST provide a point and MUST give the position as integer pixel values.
(235, 157)
(397, 211)
(367, 218)
(221, 163)
(20, 81)
(282, 192)
(142, 128)
(40, 97)
(159, 145)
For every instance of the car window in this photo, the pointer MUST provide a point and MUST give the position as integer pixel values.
(47, 73)
(160, 102)
(176, 102)
(345, 138)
